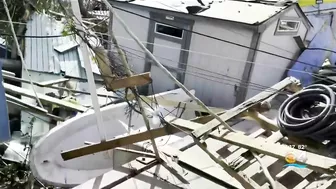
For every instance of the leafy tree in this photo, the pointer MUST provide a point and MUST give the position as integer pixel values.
(21, 10)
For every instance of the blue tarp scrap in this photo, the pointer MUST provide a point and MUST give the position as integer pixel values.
(323, 39)
(4, 120)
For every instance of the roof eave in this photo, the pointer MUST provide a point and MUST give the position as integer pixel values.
(188, 16)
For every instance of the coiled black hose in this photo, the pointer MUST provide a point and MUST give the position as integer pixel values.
(310, 113)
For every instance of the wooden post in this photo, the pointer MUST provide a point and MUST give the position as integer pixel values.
(135, 91)
(89, 74)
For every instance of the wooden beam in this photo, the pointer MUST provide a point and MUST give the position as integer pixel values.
(245, 106)
(52, 82)
(23, 107)
(119, 142)
(123, 141)
(19, 101)
(30, 94)
(131, 151)
(264, 122)
(132, 81)
(186, 105)
(4, 72)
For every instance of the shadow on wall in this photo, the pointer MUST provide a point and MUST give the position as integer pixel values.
(323, 39)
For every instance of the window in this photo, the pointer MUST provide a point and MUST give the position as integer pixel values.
(169, 31)
(288, 26)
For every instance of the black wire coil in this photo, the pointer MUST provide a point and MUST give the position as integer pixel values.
(310, 113)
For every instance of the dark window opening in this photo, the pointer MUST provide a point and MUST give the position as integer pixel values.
(168, 30)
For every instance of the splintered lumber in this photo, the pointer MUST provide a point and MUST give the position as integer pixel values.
(245, 106)
(132, 81)
(52, 82)
(315, 162)
(30, 94)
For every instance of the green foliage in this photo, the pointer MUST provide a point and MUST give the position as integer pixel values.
(69, 28)
(21, 10)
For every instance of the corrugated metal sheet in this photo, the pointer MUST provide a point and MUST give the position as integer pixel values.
(237, 11)
(40, 54)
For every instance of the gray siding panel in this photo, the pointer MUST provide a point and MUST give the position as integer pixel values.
(211, 69)
(269, 69)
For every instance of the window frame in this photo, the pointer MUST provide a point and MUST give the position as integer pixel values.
(290, 32)
(159, 33)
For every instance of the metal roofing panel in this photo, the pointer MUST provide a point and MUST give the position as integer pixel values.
(237, 11)
(249, 13)
(40, 54)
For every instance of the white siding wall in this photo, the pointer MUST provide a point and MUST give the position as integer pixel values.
(139, 26)
(268, 69)
(214, 89)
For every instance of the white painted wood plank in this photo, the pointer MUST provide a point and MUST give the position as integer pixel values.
(28, 93)
(12, 98)
(4, 72)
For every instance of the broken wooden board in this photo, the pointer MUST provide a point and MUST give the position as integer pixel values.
(28, 109)
(134, 138)
(176, 104)
(315, 162)
(119, 142)
(181, 124)
(25, 92)
(128, 82)
(19, 101)
(157, 177)
(245, 106)
(52, 82)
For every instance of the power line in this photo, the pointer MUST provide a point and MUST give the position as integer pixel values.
(255, 86)
(215, 38)
(36, 36)
(213, 55)
(243, 61)
(6, 21)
